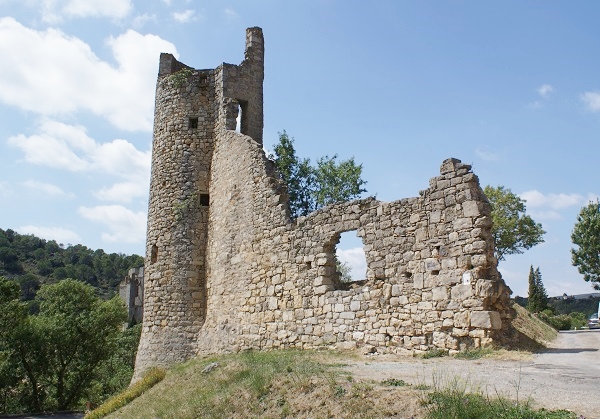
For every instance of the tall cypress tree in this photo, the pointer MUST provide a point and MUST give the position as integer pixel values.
(538, 297)
(532, 297)
(542, 295)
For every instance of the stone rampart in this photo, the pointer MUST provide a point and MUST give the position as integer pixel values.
(227, 269)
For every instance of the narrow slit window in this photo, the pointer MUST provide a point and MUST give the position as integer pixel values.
(154, 254)
(204, 200)
(238, 119)
(193, 123)
(242, 117)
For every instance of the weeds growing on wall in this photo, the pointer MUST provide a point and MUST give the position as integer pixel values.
(182, 207)
(180, 77)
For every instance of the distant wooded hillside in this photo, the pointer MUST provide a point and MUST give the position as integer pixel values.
(568, 304)
(32, 261)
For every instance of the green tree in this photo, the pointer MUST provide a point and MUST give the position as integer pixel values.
(114, 374)
(344, 269)
(538, 297)
(541, 290)
(58, 351)
(297, 174)
(514, 231)
(312, 187)
(337, 182)
(531, 294)
(586, 236)
(12, 315)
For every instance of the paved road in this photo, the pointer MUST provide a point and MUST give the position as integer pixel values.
(566, 376)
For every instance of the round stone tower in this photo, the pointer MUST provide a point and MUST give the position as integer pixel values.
(192, 107)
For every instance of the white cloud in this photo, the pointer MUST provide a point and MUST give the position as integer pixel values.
(56, 10)
(51, 73)
(141, 20)
(122, 192)
(61, 235)
(487, 155)
(185, 16)
(355, 258)
(536, 199)
(55, 146)
(591, 101)
(47, 188)
(231, 14)
(545, 90)
(546, 215)
(68, 147)
(123, 224)
(535, 105)
(5, 189)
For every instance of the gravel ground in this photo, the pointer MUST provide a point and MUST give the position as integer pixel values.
(566, 376)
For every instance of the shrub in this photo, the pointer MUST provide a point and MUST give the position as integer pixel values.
(434, 353)
(574, 320)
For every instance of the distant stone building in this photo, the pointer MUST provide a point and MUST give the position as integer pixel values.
(227, 269)
(131, 290)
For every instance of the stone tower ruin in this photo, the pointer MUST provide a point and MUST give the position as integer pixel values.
(227, 269)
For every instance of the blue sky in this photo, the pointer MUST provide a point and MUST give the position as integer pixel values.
(510, 87)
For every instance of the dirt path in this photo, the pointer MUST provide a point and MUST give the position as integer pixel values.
(566, 376)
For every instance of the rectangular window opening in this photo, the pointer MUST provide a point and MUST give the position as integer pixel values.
(204, 200)
(193, 122)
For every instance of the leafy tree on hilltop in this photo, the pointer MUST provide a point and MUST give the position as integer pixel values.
(310, 187)
(514, 231)
(586, 236)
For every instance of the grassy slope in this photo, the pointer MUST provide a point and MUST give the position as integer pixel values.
(530, 332)
(281, 384)
(271, 385)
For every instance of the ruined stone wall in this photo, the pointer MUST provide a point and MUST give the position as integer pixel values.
(431, 280)
(227, 269)
(131, 291)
